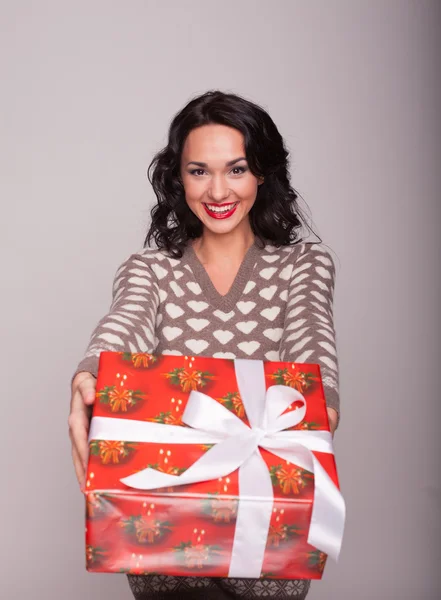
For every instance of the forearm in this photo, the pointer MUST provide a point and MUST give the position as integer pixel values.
(129, 326)
(309, 335)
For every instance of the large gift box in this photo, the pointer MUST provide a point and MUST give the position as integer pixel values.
(210, 467)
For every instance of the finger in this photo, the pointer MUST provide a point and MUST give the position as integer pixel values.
(87, 387)
(80, 464)
(80, 472)
(79, 407)
(79, 432)
(81, 445)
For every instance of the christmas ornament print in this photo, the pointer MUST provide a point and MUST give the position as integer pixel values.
(219, 506)
(233, 402)
(119, 400)
(280, 531)
(295, 378)
(111, 452)
(317, 560)
(94, 555)
(139, 359)
(188, 380)
(173, 416)
(146, 528)
(194, 553)
(290, 478)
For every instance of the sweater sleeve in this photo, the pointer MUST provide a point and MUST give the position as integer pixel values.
(309, 335)
(130, 323)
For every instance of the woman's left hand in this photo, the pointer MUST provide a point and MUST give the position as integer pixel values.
(332, 416)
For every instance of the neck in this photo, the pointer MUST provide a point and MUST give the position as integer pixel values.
(214, 248)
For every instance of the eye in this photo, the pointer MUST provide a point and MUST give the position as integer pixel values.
(240, 169)
(234, 170)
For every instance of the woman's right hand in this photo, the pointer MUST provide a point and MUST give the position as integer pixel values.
(83, 396)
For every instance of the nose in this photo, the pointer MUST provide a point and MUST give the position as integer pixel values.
(218, 190)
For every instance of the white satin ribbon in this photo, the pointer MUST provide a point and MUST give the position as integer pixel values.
(236, 446)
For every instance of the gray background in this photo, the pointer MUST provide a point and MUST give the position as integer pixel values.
(88, 90)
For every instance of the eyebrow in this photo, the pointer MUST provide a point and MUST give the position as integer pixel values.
(228, 164)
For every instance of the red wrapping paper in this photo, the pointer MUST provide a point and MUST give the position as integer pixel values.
(189, 529)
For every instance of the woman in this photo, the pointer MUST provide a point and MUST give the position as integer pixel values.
(230, 277)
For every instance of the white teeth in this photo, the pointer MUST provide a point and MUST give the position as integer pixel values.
(218, 209)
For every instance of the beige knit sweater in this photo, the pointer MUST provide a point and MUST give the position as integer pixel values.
(279, 307)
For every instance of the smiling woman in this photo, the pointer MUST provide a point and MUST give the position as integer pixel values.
(222, 149)
(222, 188)
(230, 277)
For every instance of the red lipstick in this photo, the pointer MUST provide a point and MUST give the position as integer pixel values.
(221, 214)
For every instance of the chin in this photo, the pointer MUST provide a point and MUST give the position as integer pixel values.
(226, 228)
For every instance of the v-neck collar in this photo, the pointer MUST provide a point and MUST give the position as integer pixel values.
(229, 300)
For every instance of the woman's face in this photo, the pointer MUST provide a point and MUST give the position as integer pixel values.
(219, 186)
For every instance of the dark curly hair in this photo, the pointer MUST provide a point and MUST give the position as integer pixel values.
(275, 217)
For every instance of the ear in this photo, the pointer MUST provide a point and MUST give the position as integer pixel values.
(261, 180)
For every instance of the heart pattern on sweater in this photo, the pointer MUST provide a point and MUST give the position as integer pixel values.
(246, 307)
(198, 324)
(272, 258)
(223, 316)
(246, 326)
(270, 313)
(283, 312)
(197, 346)
(173, 310)
(268, 272)
(229, 355)
(197, 305)
(268, 292)
(194, 287)
(249, 287)
(162, 295)
(171, 333)
(286, 272)
(249, 347)
(272, 355)
(273, 334)
(159, 271)
(177, 289)
(223, 336)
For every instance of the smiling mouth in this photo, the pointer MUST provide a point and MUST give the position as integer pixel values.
(220, 211)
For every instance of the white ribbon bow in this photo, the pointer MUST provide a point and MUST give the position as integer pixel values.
(237, 447)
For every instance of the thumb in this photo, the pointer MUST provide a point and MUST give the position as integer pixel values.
(87, 390)
(89, 397)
